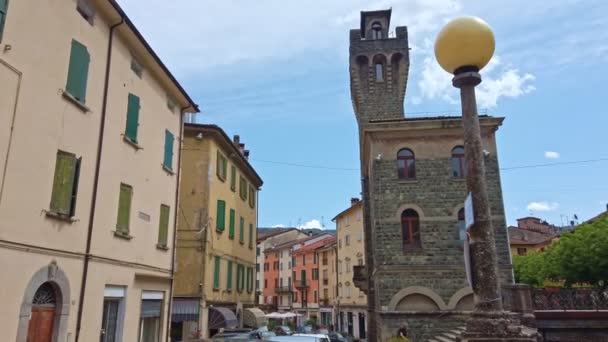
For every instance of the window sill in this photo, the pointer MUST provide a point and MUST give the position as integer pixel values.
(162, 247)
(168, 170)
(122, 235)
(222, 179)
(216, 289)
(58, 216)
(76, 102)
(132, 143)
(242, 242)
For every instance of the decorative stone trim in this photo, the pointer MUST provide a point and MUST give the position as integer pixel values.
(456, 297)
(425, 291)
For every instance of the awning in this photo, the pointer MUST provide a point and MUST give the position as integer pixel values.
(184, 310)
(220, 317)
(254, 318)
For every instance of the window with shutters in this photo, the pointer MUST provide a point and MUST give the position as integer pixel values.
(243, 188)
(229, 277)
(124, 210)
(163, 226)
(168, 155)
(240, 275)
(303, 278)
(78, 71)
(133, 107)
(249, 279)
(315, 274)
(251, 236)
(86, 10)
(251, 196)
(233, 178)
(216, 273)
(242, 230)
(220, 221)
(65, 185)
(221, 166)
(231, 224)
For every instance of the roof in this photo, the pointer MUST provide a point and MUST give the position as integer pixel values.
(528, 217)
(520, 236)
(270, 232)
(347, 209)
(288, 244)
(316, 245)
(228, 144)
(147, 46)
(423, 118)
(364, 14)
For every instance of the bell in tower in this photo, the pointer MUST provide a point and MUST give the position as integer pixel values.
(379, 66)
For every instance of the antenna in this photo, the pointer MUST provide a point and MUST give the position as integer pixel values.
(322, 222)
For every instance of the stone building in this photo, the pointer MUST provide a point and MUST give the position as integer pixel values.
(352, 305)
(216, 235)
(90, 132)
(413, 180)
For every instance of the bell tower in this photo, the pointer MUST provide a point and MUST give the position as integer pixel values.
(379, 66)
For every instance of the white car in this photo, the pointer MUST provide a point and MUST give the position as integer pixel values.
(300, 338)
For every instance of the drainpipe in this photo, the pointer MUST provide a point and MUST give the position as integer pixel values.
(87, 256)
(175, 211)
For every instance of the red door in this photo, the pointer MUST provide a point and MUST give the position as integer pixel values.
(41, 324)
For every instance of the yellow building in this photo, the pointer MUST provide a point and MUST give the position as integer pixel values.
(328, 256)
(90, 125)
(352, 302)
(216, 249)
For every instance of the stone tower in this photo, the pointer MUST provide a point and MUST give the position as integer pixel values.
(379, 67)
(413, 179)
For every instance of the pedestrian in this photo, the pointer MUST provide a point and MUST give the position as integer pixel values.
(402, 334)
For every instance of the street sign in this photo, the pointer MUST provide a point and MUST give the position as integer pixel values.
(469, 219)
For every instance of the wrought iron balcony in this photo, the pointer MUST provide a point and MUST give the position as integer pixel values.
(301, 284)
(283, 289)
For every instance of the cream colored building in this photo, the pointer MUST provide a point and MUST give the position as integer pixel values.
(216, 249)
(328, 284)
(90, 126)
(352, 302)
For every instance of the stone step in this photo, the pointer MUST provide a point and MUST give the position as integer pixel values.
(451, 336)
(444, 339)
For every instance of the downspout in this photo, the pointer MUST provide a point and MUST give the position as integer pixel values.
(175, 211)
(87, 256)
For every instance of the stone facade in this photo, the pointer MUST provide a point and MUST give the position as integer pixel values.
(421, 285)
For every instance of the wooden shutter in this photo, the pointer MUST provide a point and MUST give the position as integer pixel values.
(75, 186)
(303, 280)
(3, 8)
(78, 71)
(229, 279)
(251, 196)
(238, 277)
(63, 195)
(243, 188)
(168, 160)
(163, 226)
(231, 224)
(242, 230)
(132, 117)
(124, 209)
(216, 273)
(250, 235)
(249, 279)
(233, 178)
(220, 216)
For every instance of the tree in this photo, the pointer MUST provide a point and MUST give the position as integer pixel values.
(530, 269)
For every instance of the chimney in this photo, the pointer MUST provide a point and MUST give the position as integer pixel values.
(246, 154)
(236, 139)
(354, 200)
(241, 148)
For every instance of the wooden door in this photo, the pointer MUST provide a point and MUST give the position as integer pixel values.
(41, 324)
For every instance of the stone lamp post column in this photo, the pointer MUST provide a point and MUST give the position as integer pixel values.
(463, 47)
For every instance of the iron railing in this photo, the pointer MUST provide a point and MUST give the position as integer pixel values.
(570, 299)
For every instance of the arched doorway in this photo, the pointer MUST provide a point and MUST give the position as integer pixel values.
(44, 310)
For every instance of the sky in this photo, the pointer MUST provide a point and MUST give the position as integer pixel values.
(276, 73)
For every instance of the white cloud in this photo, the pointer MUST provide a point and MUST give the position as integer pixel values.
(314, 223)
(278, 226)
(542, 206)
(551, 155)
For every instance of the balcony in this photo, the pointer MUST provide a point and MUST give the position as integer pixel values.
(360, 278)
(283, 289)
(301, 285)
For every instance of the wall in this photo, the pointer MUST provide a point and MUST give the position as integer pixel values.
(350, 223)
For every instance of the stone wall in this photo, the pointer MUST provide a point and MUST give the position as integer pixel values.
(420, 326)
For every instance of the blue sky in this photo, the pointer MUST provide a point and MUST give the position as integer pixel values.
(276, 72)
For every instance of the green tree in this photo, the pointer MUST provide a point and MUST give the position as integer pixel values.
(530, 269)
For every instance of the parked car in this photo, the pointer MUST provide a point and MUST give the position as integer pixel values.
(300, 338)
(283, 330)
(335, 336)
(232, 334)
(261, 335)
(318, 337)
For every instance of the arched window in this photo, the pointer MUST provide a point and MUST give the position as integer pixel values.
(462, 231)
(379, 72)
(376, 30)
(459, 166)
(410, 229)
(406, 164)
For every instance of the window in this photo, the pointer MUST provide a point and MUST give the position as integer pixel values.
(163, 226)
(303, 278)
(124, 209)
(359, 236)
(462, 231)
(251, 236)
(276, 283)
(85, 9)
(257, 284)
(220, 222)
(293, 261)
(459, 165)
(360, 262)
(243, 188)
(231, 223)
(410, 229)
(150, 318)
(221, 165)
(289, 265)
(347, 220)
(281, 266)
(379, 72)
(65, 184)
(240, 277)
(229, 277)
(257, 251)
(521, 251)
(303, 259)
(233, 178)
(339, 267)
(242, 230)
(137, 68)
(289, 282)
(376, 30)
(168, 157)
(315, 258)
(347, 266)
(171, 103)
(340, 243)
(265, 283)
(216, 273)
(78, 69)
(359, 215)
(315, 296)
(348, 291)
(295, 296)
(347, 240)
(257, 267)
(315, 274)
(249, 279)
(113, 312)
(132, 118)
(406, 164)
(251, 196)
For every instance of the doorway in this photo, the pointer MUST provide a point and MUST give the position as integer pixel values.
(109, 320)
(361, 325)
(41, 327)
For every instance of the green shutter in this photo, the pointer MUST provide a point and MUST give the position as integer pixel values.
(249, 279)
(216, 273)
(66, 175)
(229, 279)
(243, 188)
(124, 208)
(78, 71)
(221, 216)
(303, 278)
(233, 178)
(168, 159)
(238, 277)
(250, 235)
(3, 8)
(163, 226)
(221, 166)
(75, 186)
(132, 118)
(251, 196)
(231, 224)
(242, 230)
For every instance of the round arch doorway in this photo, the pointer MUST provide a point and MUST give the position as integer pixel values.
(41, 327)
